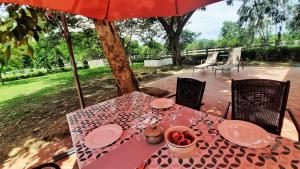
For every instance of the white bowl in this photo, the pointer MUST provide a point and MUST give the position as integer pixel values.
(178, 150)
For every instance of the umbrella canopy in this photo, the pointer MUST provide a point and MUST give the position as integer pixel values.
(118, 9)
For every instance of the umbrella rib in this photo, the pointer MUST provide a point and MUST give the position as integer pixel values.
(176, 7)
(107, 9)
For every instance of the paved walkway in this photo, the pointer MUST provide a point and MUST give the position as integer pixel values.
(216, 97)
(218, 88)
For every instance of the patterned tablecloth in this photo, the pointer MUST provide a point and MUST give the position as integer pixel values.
(213, 151)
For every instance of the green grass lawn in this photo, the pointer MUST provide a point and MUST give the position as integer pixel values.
(46, 84)
(21, 90)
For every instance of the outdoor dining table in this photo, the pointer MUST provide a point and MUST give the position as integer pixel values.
(131, 149)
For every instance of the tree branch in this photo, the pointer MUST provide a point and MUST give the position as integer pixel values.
(187, 18)
(165, 24)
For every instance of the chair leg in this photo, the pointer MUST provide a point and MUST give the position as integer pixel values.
(215, 72)
(295, 122)
(238, 69)
(193, 71)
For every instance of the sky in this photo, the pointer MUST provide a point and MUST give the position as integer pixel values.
(210, 21)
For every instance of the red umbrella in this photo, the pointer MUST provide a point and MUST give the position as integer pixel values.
(118, 9)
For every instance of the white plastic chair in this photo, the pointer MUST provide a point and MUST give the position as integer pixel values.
(234, 59)
(210, 61)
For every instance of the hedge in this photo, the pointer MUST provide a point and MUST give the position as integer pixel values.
(38, 74)
(277, 54)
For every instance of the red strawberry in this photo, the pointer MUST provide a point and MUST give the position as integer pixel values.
(175, 136)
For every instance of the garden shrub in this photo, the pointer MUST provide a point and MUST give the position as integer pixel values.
(37, 73)
(276, 54)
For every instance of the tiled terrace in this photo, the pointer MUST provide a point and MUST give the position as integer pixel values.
(218, 88)
(216, 97)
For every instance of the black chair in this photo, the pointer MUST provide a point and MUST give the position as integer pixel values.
(295, 122)
(47, 165)
(189, 92)
(260, 101)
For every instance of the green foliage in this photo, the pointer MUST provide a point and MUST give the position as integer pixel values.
(294, 22)
(259, 15)
(86, 45)
(230, 34)
(143, 29)
(21, 24)
(202, 44)
(188, 37)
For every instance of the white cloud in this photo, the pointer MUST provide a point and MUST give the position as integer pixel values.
(210, 22)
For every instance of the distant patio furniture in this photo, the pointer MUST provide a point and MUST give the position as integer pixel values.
(234, 59)
(189, 92)
(210, 61)
(47, 165)
(260, 101)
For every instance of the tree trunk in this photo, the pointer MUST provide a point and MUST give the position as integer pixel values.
(175, 49)
(116, 56)
(2, 81)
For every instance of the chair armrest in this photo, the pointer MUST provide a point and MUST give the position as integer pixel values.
(218, 63)
(295, 122)
(227, 110)
(172, 95)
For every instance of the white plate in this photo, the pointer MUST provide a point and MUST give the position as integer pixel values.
(103, 136)
(245, 134)
(162, 103)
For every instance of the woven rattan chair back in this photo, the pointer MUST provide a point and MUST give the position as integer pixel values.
(189, 92)
(260, 101)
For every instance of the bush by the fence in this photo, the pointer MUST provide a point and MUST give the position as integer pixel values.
(38, 74)
(277, 54)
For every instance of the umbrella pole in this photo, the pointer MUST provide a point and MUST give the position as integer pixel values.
(71, 54)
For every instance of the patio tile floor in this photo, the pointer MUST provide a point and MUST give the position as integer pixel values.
(218, 89)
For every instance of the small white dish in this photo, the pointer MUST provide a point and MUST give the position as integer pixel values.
(103, 136)
(245, 134)
(162, 103)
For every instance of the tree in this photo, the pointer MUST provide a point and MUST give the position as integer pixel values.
(259, 15)
(174, 26)
(114, 51)
(188, 37)
(21, 24)
(230, 33)
(143, 29)
(4, 58)
(294, 22)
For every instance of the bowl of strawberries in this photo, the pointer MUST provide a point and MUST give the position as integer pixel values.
(181, 140)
